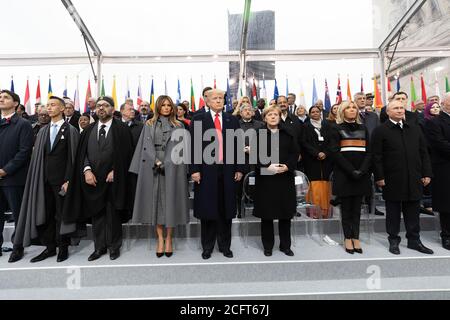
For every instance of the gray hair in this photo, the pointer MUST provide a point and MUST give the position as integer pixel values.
(245, 105)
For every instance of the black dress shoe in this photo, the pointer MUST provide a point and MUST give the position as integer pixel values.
(425, 211)
(6, 249)
(159, 254)
(16, 255)
(378, 212)
(393, 247)
(96, 254)
(114, 254)
(228, 254)
(63, 254)
(168, 254)
(268, 253)
(358, 250)
(446, 244)
(44, 255)
(206, 255)
(418, 246)
(288, 252)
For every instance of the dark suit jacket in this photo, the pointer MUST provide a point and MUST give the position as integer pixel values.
(371, 121)
(136, 128)
(258, 115)
(16, 143)
(58, 160)
(292, 123)
(206, 201)
(74, 121)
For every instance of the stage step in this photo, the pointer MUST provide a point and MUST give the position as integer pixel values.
(315, 272)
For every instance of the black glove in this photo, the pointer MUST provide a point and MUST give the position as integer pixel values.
(155, 170)
(162, 170)
(357, 174)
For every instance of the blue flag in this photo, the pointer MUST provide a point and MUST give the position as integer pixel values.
(275, 91)
(314, 96)
(287, 87)
(12, 84)
(178, 92)
(398, 84)
(228, 102)
(327, 103)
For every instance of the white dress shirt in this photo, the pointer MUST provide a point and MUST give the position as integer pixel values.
(400, 122)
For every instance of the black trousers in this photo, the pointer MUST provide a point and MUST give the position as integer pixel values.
(10, 197)
(239, 192)
(444, 218)
(220, 229)
(410, 211)
(268, 237)
(351, 216)
(49, 233)
(107, 228)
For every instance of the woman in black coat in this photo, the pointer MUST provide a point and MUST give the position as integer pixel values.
(349, 146)
(275, 195)
(316, 160)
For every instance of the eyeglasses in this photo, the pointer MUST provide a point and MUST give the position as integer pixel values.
(103, 105)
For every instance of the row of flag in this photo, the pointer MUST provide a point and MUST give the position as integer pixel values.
(228, 103)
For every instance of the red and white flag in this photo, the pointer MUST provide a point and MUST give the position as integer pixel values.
(27, 102)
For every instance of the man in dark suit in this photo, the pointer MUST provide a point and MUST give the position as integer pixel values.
(99, 189)
(290, 121)
(146, 113)
(47, 182)
(16, 143)
(402, 169)
(91, 112)
(261, 104)
(214, 175)
(70, 116)
(292, 107)
(205, 98)
(438, 135)
(369, 119)
(319, 104)
(410, 117)
(128, 118)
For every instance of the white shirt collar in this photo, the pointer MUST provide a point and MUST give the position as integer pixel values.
(394, 122)
(58, 124)
(9, 116)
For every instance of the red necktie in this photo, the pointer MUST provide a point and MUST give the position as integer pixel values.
(219, 136)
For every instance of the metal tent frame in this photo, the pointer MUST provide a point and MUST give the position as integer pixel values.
(242, 56)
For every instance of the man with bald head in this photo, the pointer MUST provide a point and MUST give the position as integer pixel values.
(402, 169)
(438, 134)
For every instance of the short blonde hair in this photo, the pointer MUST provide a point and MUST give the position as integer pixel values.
(269, 109)
(340, 113)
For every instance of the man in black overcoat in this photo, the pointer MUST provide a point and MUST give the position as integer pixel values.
(438, 134)
(402, 168)
(100, 183)
(215, 183)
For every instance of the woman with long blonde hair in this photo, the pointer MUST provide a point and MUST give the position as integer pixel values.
(161, 196)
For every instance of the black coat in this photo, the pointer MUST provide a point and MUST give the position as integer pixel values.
(275, 195)
(136, 129)
(401, 160)
(258, 115)
(74, 121)
(81, 196)
(345, 162)
(206, 193)
(437, 133)
(16, 145)
(293, 124)
(370, 121)
(311, 146)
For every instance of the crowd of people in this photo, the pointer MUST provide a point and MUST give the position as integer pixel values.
(61, 170)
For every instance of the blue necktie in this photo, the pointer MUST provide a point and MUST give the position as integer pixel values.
(53, 133)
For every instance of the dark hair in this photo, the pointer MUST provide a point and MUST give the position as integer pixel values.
(310, 109)
(63, 103)
(13, 95)
(122, 106)
(399, 93)
(280, 96)
(292, 94)
(183, 106)
(21, 107)
(205, 89)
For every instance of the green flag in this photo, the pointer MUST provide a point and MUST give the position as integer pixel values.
(447, 86)
(413, 94)
(102, 93)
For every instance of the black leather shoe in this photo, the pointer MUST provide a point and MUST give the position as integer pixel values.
(358, 250)
(114, 254)
(288, 252)
(418, 246)
(159, 254)
(6, 249)
(228, 254)
(206, 255)
(425, 211)
(378, 212)
(351, 251)
(16, 255)
(393, 247)
(268, 253)
(63, 254)
(44, 255)
(446, 244)
(96, 254)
